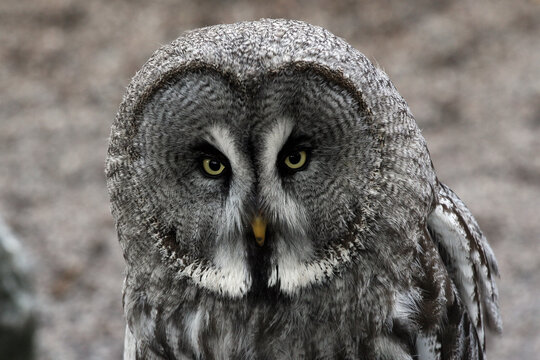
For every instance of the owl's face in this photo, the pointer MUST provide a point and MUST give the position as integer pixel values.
(264, 158)
(216, 154)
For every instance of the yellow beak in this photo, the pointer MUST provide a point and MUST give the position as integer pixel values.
(259, 229)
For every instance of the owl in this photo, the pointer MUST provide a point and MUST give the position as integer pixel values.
(275, 199)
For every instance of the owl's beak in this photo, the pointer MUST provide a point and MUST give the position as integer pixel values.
(259, 229)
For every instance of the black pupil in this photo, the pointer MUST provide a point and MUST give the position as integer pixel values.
(214, 165)
(295, 158)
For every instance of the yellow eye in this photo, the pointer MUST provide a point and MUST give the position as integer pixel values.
(213, 167)
(296, 160)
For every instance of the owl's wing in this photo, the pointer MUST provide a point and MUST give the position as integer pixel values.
(130, 346)
(472, 267)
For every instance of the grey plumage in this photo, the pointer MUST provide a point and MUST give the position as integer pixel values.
(367, 254)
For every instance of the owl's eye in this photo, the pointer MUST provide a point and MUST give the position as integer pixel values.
(296, 160)
(213, 167)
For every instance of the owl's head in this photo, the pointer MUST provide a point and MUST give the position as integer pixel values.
(263, 156)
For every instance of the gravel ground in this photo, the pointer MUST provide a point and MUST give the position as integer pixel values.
(469, 70)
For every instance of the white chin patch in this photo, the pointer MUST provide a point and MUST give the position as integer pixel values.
(291, 267)
(227, 274)
(274, 141)
(292, 272)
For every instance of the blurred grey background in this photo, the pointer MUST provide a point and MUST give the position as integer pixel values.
(470, 71)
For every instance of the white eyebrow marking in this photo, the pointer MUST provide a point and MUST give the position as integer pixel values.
(222, 139)
(275, 140)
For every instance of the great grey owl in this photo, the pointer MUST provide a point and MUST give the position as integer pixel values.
(275, 199)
